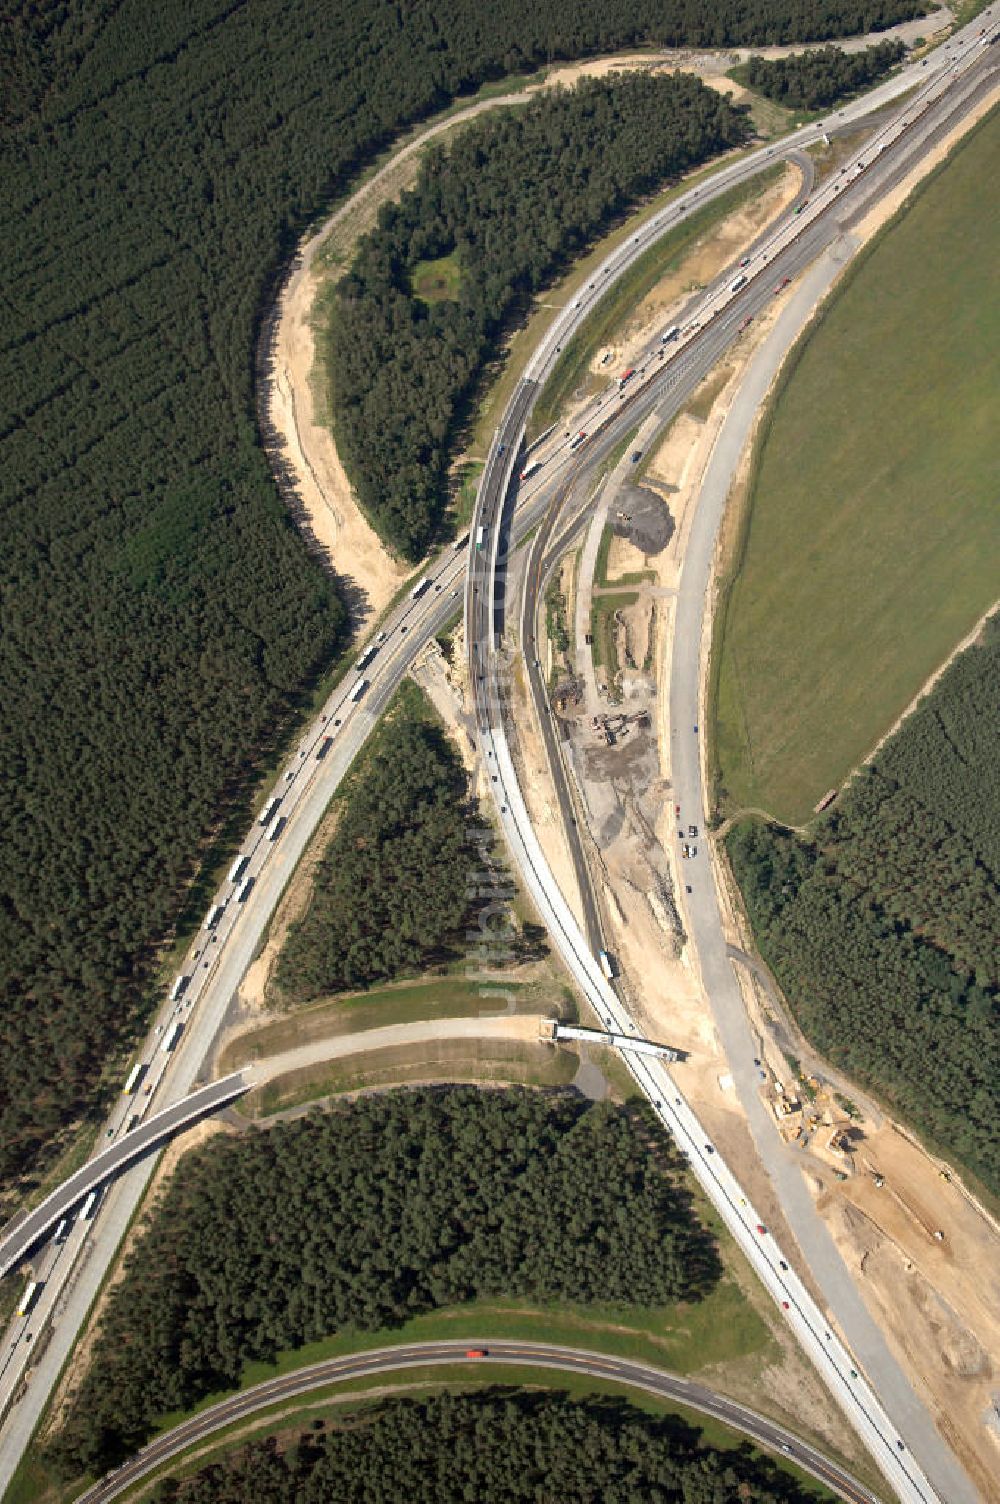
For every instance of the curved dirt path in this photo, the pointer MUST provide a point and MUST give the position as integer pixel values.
(300, 446)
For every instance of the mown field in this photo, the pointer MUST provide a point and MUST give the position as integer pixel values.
(870, 548)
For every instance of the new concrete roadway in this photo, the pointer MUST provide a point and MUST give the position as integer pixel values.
(483, 1355)
(902, 139)
(223, 950)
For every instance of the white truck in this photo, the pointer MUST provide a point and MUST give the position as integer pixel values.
(670, 334)
(179, 987)
(269, 810)
(29, 1297)
(740, 282)
(532, 468)
(358, 690)
(170, 1043)
(135, 1075)
(420, 587)
(237, 867)
(608, 965)
(213, 916)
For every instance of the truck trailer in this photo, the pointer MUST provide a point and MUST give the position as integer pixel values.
(135, 1075)
(29, 1297)
(173, 1035)
(269, 810)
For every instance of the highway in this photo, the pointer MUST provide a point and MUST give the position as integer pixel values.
(241, 910)
(65, 1200)
(911, 131)
(386, 1361)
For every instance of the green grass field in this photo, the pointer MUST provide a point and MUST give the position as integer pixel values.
(870, 544)
(437, 281)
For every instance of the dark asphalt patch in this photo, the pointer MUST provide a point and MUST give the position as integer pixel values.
(650, 526)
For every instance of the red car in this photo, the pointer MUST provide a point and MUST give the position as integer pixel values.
(475, 1352)
(762, 1229)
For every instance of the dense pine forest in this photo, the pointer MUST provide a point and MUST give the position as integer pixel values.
(497, 1447)
(514, 199)
(882, 929)
(390, 1206)
(399, 884)
(160, 619)
(816, 79)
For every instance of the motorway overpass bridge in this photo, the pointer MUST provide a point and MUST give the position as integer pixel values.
(21, 1236)
(617, 1041)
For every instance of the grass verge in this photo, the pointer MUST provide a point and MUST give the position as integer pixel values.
(337, 1405)
(403, 1003)
(493, 1061)
(618, 303)
(870, 546)
(602, 630)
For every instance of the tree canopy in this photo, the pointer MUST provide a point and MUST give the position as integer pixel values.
(399, 886)
(361, 1218)
(161, 620)
(881, 928)
(819, 77)
(510, 202)
(497, 1446)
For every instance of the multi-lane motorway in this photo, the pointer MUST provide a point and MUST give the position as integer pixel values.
(219, 957)
(911, 130)
(488, 1359)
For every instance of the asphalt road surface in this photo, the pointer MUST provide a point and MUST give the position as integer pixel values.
(222, 952)
(492, 1351)
(909, 136)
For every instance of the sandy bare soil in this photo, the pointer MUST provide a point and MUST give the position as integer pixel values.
(324, 492)
(937, 1300)
(708, 257)
(296, 403)
(253, 992)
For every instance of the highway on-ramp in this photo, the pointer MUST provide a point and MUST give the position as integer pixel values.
(482, 1355)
